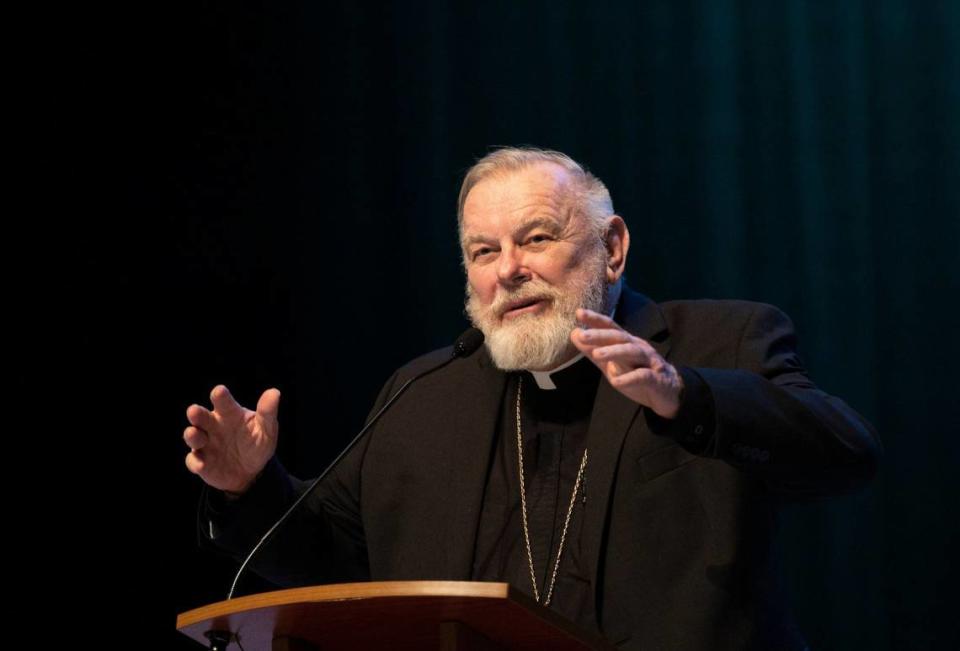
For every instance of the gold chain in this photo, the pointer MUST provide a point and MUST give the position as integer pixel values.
(523, 511)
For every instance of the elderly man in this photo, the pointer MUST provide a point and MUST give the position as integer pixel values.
(620, 461)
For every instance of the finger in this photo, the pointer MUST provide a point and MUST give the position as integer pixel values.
(631, 355)
(612, 369)
(578, 340)
(269, 404)
(194, 463)
(594, 338)
(602, 337)
(223, 402)
(593, 319)
(201, 417)
(608, 368)
(195, 438)
(636, 377)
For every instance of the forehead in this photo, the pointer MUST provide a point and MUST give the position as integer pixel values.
(540, 190)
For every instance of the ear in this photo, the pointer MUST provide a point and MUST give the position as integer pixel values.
(617, 242)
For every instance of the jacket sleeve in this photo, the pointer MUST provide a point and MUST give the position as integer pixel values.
(322, 541)
(767, 418)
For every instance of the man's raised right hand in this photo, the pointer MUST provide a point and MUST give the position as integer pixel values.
(230, 445)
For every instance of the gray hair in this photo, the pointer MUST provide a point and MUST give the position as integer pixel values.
(591, 195)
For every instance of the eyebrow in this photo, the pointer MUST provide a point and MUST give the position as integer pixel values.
(525, 227)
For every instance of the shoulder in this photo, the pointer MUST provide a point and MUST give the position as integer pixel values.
(699, 318)
(710, 332)
(426, 360)
(473, 367)
(703, 315)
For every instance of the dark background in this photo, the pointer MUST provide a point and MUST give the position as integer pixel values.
(292, 176)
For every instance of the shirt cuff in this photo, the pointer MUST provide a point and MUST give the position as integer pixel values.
(220, 511)
(694, 426)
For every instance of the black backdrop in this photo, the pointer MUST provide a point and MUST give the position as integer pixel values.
(295, 227)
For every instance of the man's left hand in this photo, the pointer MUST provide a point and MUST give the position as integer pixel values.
(630, 364)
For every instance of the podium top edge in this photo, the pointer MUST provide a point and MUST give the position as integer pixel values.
(347, 591)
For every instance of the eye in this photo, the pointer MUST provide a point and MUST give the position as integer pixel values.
(481, 252)
(539, 238)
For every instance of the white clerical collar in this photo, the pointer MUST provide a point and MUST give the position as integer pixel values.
(543, 379)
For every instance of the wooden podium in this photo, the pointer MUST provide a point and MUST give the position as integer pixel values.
(421, 615)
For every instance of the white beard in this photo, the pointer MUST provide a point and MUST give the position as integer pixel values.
(539, 341)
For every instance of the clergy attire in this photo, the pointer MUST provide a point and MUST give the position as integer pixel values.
(661, 537)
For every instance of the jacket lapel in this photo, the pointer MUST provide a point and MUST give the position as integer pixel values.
(613, 416)
(467, 452)
(468, 446)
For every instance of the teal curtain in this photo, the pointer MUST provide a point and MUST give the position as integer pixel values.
(805, 154)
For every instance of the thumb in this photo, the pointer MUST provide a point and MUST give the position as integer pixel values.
(269, 404)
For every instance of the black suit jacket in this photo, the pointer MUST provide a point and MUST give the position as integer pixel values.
(680, 514)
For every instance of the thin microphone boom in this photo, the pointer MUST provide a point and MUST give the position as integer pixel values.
(464, 346)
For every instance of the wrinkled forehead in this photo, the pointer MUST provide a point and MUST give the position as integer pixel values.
(542, 190)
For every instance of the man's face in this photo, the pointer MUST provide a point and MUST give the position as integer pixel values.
(532, 259)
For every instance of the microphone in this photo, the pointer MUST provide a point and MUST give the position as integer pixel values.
(465, 345)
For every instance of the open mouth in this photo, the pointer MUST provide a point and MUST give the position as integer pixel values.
(527, 306)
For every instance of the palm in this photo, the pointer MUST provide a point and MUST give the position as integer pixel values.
(231, 444)
(239, 451)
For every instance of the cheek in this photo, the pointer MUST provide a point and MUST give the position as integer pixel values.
(484, 285)
(558, 268)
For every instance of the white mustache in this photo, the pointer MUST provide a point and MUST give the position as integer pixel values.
(526, 293)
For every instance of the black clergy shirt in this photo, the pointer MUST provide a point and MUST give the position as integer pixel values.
(554, 428)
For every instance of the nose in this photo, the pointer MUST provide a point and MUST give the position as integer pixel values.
(510, 267)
